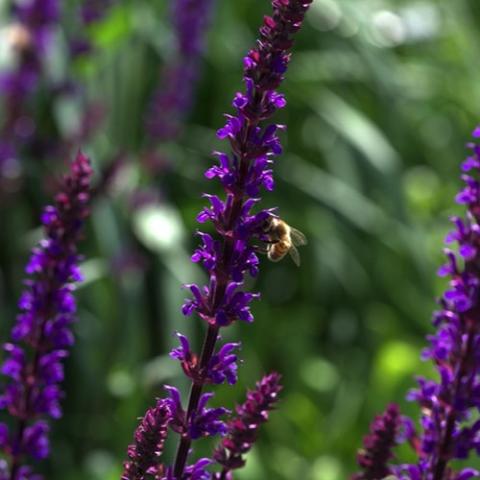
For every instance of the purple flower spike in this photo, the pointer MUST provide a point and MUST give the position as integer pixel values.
(242, 430)
(34, 358)
(149, 438)
(244, 173)
(449, 405)
(228, 254)
(222, 365)
(378, 445)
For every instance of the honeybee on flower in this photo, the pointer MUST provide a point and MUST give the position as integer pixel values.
(282, 239)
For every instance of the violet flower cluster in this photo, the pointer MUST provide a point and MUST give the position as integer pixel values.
(42, 334)
(448, 428)
(190, 19)
(230, 254)
(449, 425)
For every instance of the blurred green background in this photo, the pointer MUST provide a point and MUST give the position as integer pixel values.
(382, 98)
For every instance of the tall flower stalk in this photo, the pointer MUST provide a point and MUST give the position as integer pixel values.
(449, 430)
(449, 425)
(242, 174)
(42, 334)
(230, 254)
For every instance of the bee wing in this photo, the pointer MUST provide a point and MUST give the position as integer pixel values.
(295, 255)
(298, 238)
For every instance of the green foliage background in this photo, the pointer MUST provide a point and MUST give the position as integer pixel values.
(382, 97)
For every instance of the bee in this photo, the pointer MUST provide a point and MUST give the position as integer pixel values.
(282, 239)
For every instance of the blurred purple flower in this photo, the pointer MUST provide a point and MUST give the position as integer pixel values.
(449, 429)
(41, 336)
(179, 76)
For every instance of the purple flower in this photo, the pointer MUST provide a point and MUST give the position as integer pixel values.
(242, 430)
(204, 422)
(378, 445)
(222, 365)
(34, 358)
(198, 470)
(448, 427)
(149, 438)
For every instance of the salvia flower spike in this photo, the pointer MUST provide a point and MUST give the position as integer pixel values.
(449, 429)
(243, 174)
(42, 334)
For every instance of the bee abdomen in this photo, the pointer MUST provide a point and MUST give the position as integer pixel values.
(278, 250)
